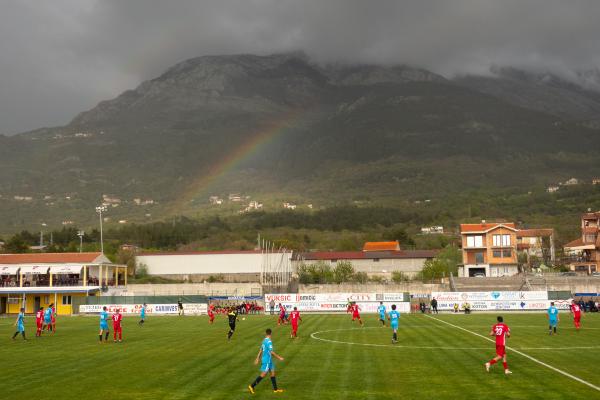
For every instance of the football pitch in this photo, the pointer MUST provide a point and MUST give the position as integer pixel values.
(437, 357)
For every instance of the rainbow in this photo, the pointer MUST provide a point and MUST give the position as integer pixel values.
(242, 152)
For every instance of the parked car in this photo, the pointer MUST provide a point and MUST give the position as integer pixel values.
(597, 274)
(479, 275)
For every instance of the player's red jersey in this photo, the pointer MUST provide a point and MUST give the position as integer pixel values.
(281, 310)
(355, 309)
(117, 318)
(295, 317)
(53, 315)
(500, 330)
(39, 317)
(576, 310)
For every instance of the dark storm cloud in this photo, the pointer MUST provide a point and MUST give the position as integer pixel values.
(60, 57)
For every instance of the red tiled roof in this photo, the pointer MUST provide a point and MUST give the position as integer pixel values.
(467, 228)
(381, 246)
(48, 258)
(590, 229)
(535, 232)
(591, 215)
(575, 243)
(361, 255)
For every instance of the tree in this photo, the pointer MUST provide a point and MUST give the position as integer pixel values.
(361, 277)
(401, 236)
(343, 272)
(126, 257)
(16, 244)
(399, 277)
(321, 272)
(443, 264)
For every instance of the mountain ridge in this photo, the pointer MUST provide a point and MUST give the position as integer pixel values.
(388, 131)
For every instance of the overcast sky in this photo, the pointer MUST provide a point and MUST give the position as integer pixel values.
(60, 57)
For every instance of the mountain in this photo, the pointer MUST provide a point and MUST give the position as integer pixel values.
(281, 127)
(577, 99)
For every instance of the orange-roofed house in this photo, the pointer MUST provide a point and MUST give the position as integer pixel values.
(382, 246)
(35, 280)
(584, 252)
(489, 249)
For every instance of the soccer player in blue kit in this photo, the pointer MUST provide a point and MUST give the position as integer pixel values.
(394, 318)
(20, 324)
(142, 315)
(104, 324)
(381, 310)
(47, 319)
(265, 354)
(552, 318)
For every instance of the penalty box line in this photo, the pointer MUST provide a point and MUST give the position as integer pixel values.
(568, 375)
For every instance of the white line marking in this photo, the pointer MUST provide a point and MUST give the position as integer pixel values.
(314, 336)
(568, 375)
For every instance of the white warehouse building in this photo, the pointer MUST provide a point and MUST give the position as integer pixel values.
(232, 266)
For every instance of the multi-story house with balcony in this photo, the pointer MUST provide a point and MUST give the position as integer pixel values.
(537, 243)
(489, 249)
(583, 253)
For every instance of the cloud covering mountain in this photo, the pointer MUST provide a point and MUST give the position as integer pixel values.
(64, 56)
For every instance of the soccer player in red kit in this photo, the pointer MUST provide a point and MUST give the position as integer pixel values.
(117, 318)
(211, 314)
(295, 318)
(39, 320)
(281, 320)
(356, 314)
(576, 310)
(500, 331)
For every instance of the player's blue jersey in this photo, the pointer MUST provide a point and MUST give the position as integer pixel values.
(394, 317)
(47, 314)
(21, 319)
(143, 312)
(267, 348)
(103, 317)
(381, 310)
(553, 313)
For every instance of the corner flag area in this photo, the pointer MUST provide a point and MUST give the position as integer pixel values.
(172, 357)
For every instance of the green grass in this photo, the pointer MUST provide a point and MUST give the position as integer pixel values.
(186, 358)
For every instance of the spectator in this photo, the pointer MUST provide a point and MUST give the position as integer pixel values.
(455, 307)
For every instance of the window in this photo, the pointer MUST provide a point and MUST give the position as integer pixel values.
(502, 253)
(590, 238)
(474, 241)
(478, 258)
(46, 299)
(500, 240)
(66, 300)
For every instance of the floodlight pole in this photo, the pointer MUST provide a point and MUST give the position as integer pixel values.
(80, 234)
(100, 210)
